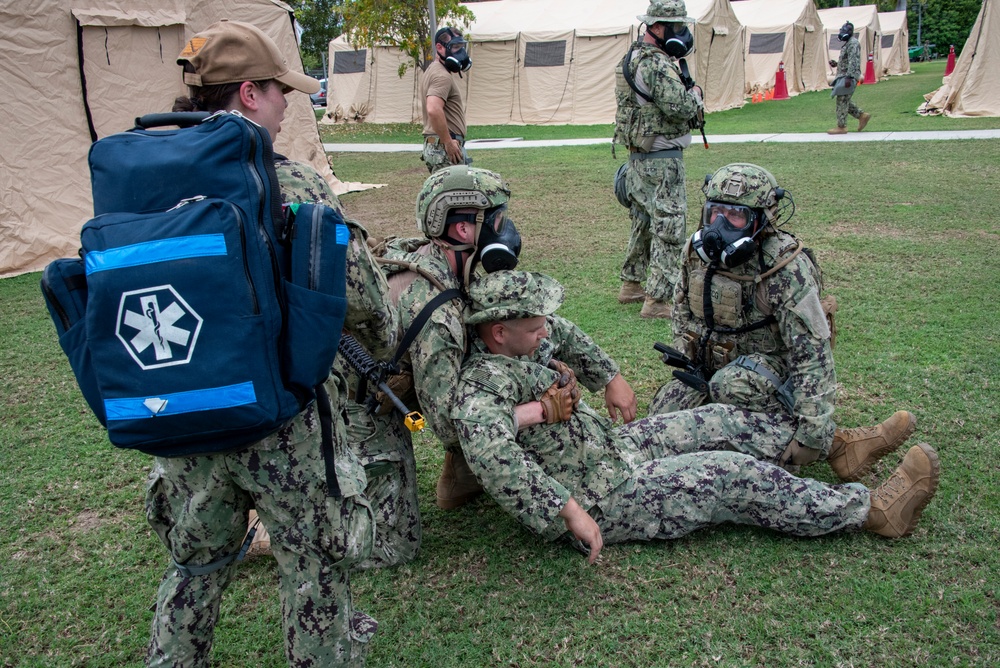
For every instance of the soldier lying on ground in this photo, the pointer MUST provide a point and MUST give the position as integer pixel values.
(560, 468)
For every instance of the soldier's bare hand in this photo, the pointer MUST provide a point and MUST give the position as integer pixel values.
(454, 152)
(619, 398)
(583, 527)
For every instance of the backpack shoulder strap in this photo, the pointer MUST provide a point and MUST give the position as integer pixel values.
(629, 79)
(421, 319)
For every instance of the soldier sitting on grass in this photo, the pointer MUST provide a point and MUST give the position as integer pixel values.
(561, 469)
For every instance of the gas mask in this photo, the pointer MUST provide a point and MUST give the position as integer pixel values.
(846, 31)
(497, 245)
(728, 234)
(675, 43)
(456, 58)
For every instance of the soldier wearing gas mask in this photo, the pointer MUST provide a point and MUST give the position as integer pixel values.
(654, 116)
(443, 108)
(462, 213)
(750, 321)
(846, 82)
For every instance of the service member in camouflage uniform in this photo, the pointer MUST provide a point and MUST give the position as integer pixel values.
(545, 456)
(763, 341)
(461, 211)
(197, 505)
(653, 121)
(849, 67)
(442, 105)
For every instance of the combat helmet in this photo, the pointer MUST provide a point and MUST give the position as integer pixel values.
(744, 184)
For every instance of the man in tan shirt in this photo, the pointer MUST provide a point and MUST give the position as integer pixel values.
(443, 107)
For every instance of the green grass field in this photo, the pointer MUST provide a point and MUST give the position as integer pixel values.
(908, 242)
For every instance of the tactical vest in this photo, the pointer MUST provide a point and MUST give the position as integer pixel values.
(638, 123)
(739, 299)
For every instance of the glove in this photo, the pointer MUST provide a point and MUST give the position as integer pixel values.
(558, 402)
(796, 455)
(566, 375)
(833, 63)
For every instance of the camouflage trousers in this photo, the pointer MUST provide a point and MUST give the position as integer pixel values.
(435, 157)
(659, 207)
(383, 445)
(713, 465)
(844, 107)
(198, 507)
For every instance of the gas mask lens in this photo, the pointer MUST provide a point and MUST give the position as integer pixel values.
(735, 217)
(726, 234)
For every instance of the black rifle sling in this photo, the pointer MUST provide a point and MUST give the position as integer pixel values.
(326, 431)
(630, 79)
(421, 319)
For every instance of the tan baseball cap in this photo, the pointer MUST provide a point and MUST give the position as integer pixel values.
(233, 52)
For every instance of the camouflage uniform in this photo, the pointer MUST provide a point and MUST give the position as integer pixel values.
(657, 478)
(654, 184)
(198, 506)
(794, 346)
(438, 81)
(848, 65)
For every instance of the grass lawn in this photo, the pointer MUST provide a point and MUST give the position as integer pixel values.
(900, 232)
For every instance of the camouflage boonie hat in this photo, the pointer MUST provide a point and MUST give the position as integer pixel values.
(457, 187)
(742, 183)
(665, 11)
(506, 295)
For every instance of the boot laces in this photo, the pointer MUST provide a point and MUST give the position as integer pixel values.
(859, 433)
(890, 489)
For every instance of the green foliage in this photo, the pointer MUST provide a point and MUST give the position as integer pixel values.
(400, 23)
(942, 22)
(321, 22)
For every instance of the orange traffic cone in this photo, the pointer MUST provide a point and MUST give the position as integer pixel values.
(769, 94)
(870, 70)
(950, 67)
(780, 87)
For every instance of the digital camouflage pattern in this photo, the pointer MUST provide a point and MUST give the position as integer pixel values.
(664, 10)
(649, 479)
(742, 183)
(848, 65)
(505, 295)
(301, 183)
(458, 186)
(654, 185)
(198, 505)
(436, 158)
(798, 343)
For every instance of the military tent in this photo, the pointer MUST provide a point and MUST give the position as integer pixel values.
(786, 33)
(74, 71)
(867, 29)
(895, 43)
(971, 89)
(538, 62)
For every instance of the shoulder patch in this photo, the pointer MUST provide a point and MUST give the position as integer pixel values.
(481, 377)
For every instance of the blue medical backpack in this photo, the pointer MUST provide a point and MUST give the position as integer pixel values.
(201, 316)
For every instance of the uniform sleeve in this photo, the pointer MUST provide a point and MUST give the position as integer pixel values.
(681, 316)
(794, 295)
(436, 356)
(677, 104)
(484, 419)
(371, 318)
(593, 367)
(438, 84)
(301, 183)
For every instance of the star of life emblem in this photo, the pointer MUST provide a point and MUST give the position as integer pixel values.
(157, 327)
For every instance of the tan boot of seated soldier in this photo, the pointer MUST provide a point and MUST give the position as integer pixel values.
(854, 451)
(458, 484)
(896, 505)
(631, 293)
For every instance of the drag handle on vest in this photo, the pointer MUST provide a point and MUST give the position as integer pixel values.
(375, 372)
(692, 376)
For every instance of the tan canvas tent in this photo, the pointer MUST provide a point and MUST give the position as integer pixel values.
(895, 43)
(783, 31)
(971, 90)
(77, 70)
(867, 29)
(538, 62)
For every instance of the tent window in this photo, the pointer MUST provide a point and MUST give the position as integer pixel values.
(767, 42)
(887, 41)
(545, 54)
(835, 43)
(349, 62)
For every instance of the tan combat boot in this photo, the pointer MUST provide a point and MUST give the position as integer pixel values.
(458, 484)
(631, 293)
(261, 545)
(898, 502)
(854, 451)
(837, 131)
(863, 121)
(655, 308)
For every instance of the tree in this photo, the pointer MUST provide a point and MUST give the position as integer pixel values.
(321, 22)
(401, 23)
(942, 22)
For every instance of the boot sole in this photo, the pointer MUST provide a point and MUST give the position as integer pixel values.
(453, 502)
(876, 455)
(631, 300)
(935, 477)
